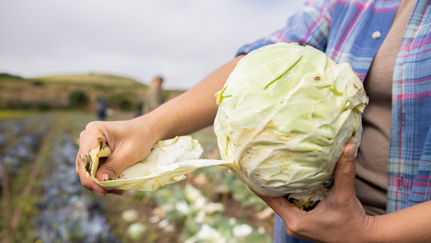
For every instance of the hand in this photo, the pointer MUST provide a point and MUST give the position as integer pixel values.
(339, 217)
(130, 142)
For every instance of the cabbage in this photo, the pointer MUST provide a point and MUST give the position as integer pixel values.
(285, 114)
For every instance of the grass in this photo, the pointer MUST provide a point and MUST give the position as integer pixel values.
(15, 113)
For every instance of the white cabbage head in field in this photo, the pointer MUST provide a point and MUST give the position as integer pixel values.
(285, 114)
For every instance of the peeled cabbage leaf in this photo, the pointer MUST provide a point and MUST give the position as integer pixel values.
(167, 162)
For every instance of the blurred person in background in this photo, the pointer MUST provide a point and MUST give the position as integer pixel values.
(153, 97)
(388, 43)
(139, 108)
(101, 109)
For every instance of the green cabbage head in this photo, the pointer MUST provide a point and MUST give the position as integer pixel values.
(285, 114)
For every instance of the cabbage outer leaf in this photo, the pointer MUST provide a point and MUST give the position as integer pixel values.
(167, 162)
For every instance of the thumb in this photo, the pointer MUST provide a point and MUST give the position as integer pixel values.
(345, 171)
(113, 165)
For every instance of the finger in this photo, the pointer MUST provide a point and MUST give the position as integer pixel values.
(91, 185)
(281, 206)
(118, 192)
(345, 172)
(78, 162)
(89, 137)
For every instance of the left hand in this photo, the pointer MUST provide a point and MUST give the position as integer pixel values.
(339, 217)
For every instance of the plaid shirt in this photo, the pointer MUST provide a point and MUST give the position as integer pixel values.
(343, 30)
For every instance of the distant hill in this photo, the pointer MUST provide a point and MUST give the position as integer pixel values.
(91, 79)
(9, 76)
(56, 91)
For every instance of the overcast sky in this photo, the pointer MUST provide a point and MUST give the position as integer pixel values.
(181, 40)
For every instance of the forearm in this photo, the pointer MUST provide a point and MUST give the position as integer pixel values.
(412, 224)
(191, 111)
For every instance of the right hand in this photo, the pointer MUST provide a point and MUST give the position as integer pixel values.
(130, 142)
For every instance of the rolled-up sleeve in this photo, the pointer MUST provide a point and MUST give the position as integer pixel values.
(308, 26)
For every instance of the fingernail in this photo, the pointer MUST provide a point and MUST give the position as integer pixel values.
(105, 177)
(99, 193)
(351, 154)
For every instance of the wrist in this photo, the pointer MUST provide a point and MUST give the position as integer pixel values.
(366, 232)
(156, 125)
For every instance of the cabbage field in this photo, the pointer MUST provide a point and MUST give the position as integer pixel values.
(42, 199)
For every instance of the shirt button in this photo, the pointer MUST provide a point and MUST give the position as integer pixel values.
(376, 35)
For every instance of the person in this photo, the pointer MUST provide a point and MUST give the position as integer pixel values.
(139, 108)
(153, 96)
(381, 196)
(101, 109)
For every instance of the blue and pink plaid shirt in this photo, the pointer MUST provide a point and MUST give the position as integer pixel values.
(343, 30)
